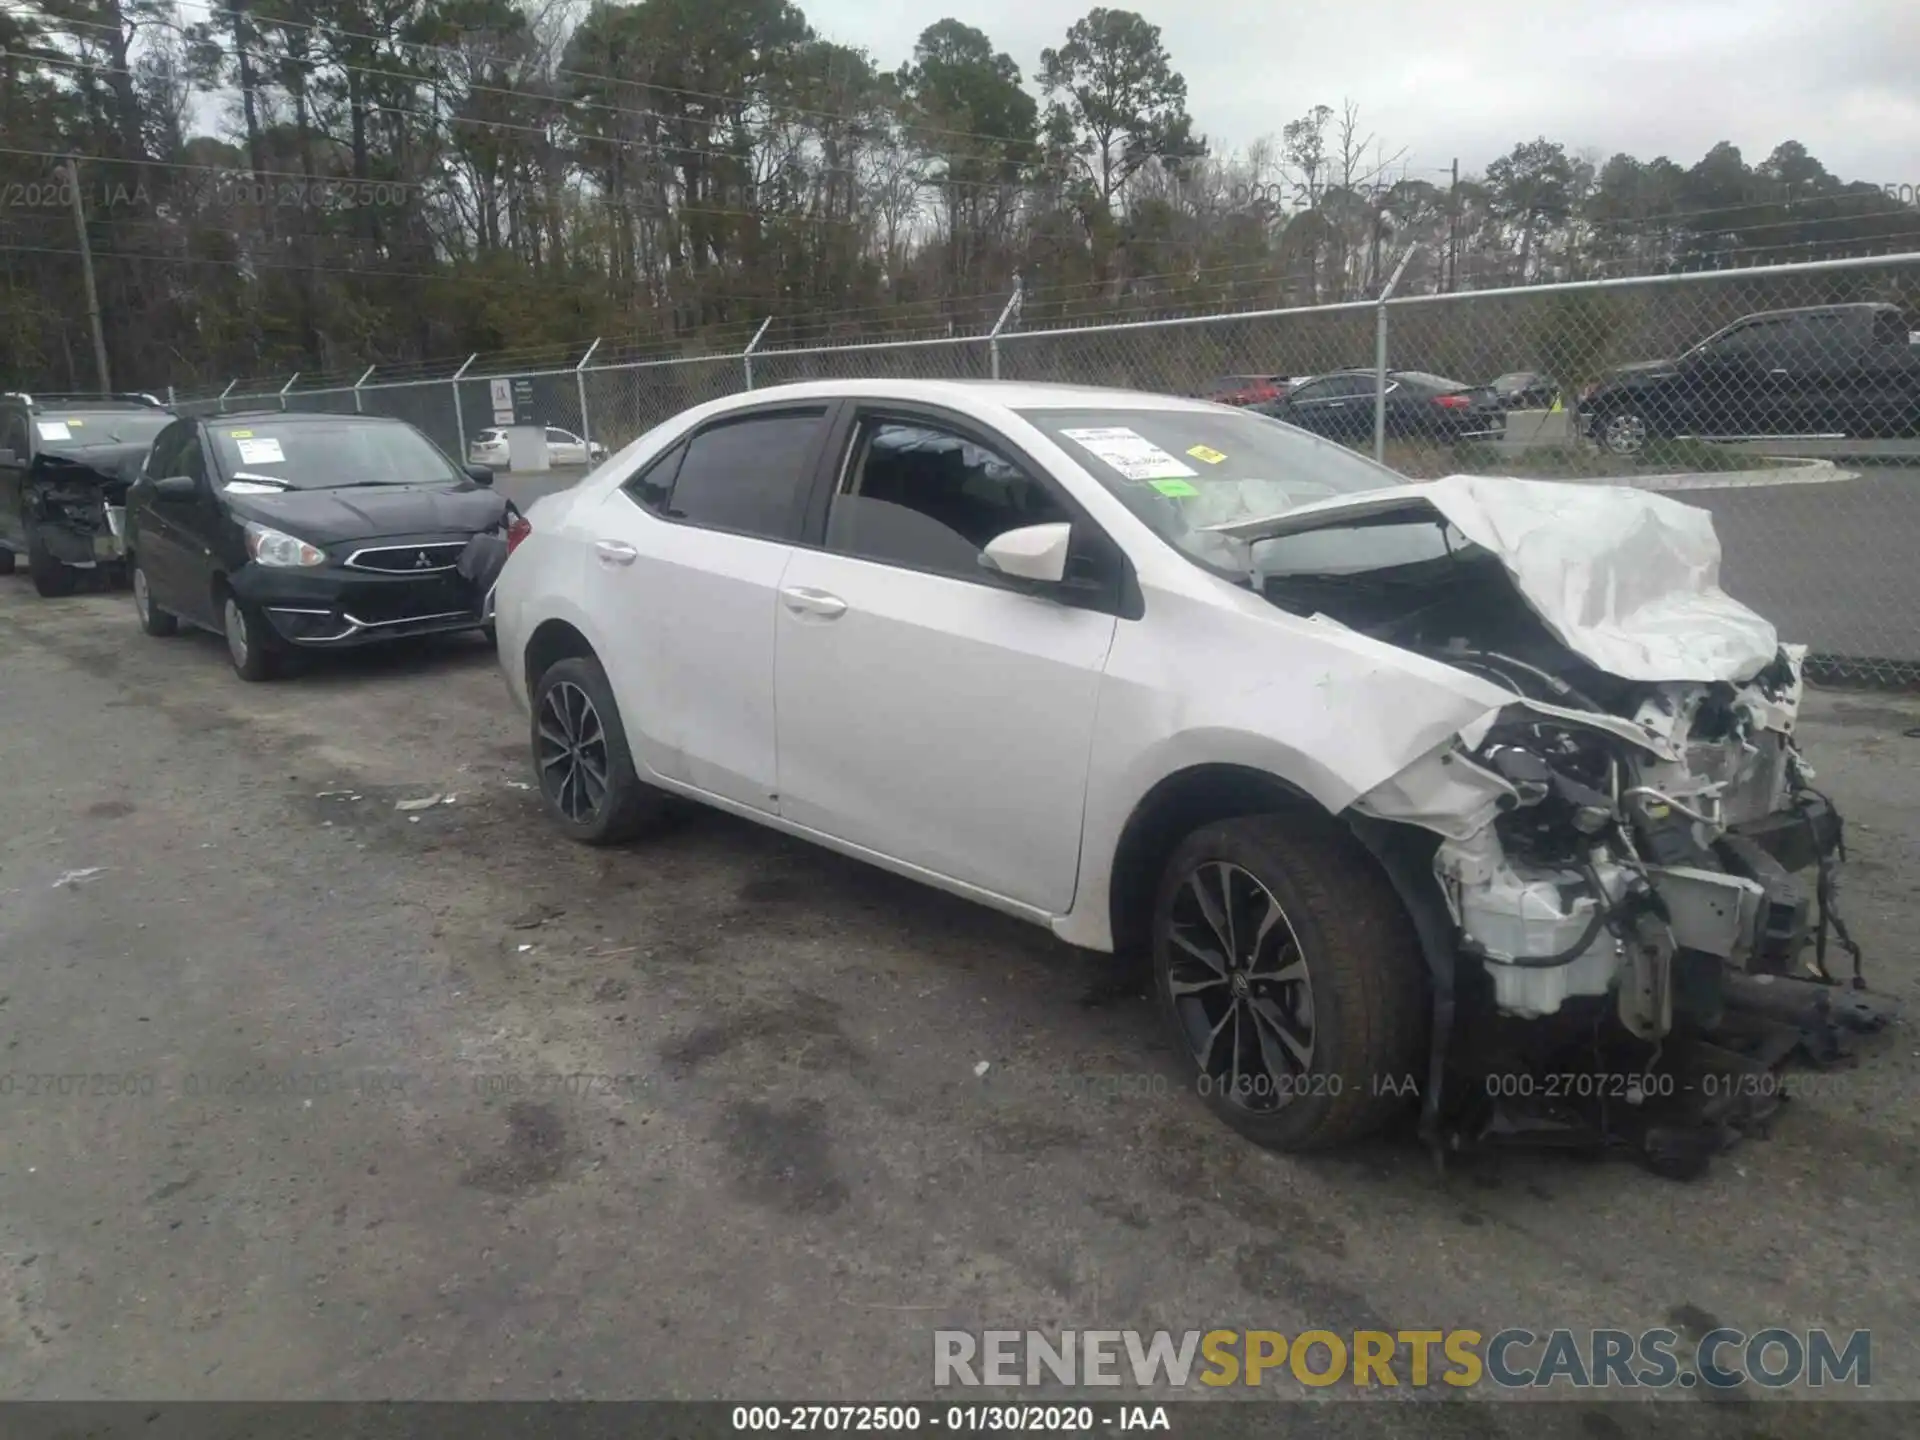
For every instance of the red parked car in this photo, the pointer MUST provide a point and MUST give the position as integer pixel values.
(1244, 389)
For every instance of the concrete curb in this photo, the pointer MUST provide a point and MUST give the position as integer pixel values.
(1782, 472)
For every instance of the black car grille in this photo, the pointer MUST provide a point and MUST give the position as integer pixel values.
(407, 559)
(441, 595)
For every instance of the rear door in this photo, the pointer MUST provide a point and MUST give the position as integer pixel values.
(684, 571)
(1743, 383)
(564, 448)
(930, 711)
(1331, 406)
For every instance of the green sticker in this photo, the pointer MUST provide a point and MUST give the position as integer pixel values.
(1178, 489)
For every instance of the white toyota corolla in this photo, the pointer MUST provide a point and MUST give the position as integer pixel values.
(1398, 784)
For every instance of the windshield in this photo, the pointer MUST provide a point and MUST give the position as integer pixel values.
(62, 434)
(1182, 471)
(329, 454)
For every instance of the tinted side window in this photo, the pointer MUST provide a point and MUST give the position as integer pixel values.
(13, 435)
(166, 450)
(192, 459)
(653, 485)
(928, 499)
(1889, 329)
(747, 475)
(1753, 341)
(1316, 390)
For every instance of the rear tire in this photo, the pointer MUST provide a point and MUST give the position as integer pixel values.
(52, 579)
(1327, 997)
(581, 763)
(153, 620)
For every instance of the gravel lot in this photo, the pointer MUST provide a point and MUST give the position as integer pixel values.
(785, 1173)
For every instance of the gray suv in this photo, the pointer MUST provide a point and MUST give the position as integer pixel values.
(66, 462)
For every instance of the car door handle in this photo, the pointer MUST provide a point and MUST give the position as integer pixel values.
(804, 600)
(615, 552)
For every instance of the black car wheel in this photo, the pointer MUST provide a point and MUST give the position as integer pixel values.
(51, 578)
(580, 757)
(1293, 983)
(6, 561)
(249, 645)
(1622, 431)
(153, 619)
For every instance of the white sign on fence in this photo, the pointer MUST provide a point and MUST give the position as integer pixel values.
(501, 392)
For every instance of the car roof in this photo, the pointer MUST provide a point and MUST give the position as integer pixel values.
(1001, 394)
(1853, 307)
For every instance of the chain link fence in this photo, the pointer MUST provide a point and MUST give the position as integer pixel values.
(1786, 400)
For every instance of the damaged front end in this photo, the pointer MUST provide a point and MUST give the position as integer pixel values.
(1624, 879)
(77, 509)
(1639, 915)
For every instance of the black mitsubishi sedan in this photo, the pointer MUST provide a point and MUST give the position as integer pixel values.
(291, 531)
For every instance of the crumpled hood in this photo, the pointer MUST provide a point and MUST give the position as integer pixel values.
(329, 517)
(112, 467)
(1626, 579)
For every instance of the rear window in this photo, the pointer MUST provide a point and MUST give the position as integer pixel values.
(1889, 328)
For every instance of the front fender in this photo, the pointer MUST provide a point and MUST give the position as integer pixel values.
(1327, 712)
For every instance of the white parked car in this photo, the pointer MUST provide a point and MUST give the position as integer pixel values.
(1396, 783)
(489, 447)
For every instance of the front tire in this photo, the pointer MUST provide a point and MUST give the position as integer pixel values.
(52, 579)
(581, 761)
(1291, 978)
(153, 620)
(249, 646)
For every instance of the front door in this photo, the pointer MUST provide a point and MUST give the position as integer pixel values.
(929, 711)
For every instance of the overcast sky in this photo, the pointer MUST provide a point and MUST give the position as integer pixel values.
(1446, 79)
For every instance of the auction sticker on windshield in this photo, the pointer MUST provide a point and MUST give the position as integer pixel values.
(1131, 453)
(55, 430)
(261, 452)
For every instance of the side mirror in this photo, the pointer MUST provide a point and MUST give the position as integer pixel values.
(176, 487)
(480, 474)
(1033, 552)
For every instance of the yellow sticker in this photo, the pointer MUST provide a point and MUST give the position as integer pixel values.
(241, 434)
(76, 422)
(1201, 452)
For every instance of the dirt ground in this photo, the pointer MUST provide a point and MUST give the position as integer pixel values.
(431, 1103)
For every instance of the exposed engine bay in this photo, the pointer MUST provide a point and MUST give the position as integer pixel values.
(74, 506)
(1624, 877)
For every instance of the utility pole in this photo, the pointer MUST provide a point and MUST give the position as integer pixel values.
(86, 269)
(1453, 227)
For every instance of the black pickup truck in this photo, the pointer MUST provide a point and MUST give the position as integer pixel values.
(1849, 370)
(66, 462)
